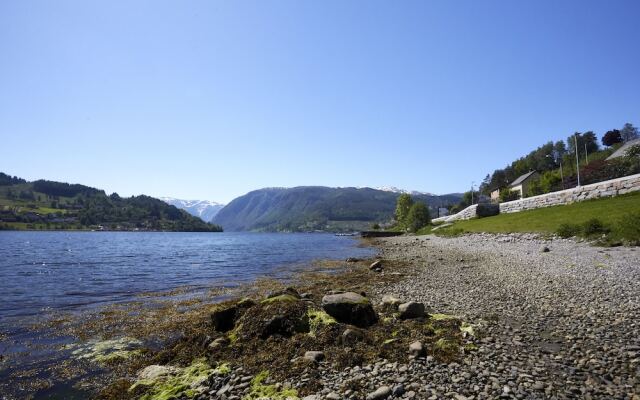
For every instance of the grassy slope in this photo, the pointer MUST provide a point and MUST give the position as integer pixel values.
(547, 220)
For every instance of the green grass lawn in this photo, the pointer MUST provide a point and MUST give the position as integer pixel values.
(617, 214)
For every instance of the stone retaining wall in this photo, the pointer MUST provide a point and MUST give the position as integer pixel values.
(610, 188)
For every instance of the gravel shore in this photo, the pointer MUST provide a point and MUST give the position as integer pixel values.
(541, 319)
(557, 319)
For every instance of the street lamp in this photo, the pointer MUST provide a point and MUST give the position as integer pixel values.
(577, 158)
(472, 183)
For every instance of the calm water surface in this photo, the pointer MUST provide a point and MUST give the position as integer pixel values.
(42, 271)
(44, 274)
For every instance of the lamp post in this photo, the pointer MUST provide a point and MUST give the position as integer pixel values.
(472, 183)
(577, 158)
(586, 154)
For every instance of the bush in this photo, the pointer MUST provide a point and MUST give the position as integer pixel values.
(535, 188)
(593, 227)
(568, 230)
(509, 195)
(487, 210)
(633, 151)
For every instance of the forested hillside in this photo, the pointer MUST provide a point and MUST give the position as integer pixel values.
(310, 208)
(46, 204)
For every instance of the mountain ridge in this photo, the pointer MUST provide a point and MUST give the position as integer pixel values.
(316, 208)
(203, 209)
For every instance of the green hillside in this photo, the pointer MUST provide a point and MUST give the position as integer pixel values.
(310, 208)
(619, 215)
(44, 205)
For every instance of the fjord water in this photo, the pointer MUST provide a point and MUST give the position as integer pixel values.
(68, 271)
(46, 274)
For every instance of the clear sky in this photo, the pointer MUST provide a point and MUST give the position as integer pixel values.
(212, 99)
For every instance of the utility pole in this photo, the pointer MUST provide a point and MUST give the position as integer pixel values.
(577, 159)
(472, 192)
(561, 174)
(586, 155)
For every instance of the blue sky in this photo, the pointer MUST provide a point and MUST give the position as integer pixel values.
(209, 100)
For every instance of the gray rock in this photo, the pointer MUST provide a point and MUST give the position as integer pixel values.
(351, 336)
(333, 396)
(389, 299)
(376, 266)
(398, 390)
(416, 349)
(544, 249)
(314, 356)
(350, 308)
(411, 310)
(380, 394)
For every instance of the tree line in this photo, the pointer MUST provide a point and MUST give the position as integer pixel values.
(552, 155)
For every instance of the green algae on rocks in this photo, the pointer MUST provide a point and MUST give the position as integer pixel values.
(260, 390)
(177, 383)
(318, 319)
(107, 351)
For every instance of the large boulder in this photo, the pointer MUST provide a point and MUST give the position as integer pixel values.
(411, 310)
(350, 308)
(224, 318)
(282, 315)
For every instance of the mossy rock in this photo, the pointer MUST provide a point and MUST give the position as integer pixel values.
(260, 390)
(319, 319)
(281, 315)
(182, 383)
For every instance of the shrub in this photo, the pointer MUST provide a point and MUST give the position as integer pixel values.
(633, 151)
(487, 210)
(568, 230)
(375, 226)
(551, 181)
(535, 188)
(509, 195)
(594, 227)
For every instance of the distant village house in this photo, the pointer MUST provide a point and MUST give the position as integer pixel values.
(520, 185)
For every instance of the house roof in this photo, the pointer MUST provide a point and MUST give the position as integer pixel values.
(623, 150)
(522, 178)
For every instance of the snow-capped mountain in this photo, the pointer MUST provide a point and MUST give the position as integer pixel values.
(397, 190)
(204, 209)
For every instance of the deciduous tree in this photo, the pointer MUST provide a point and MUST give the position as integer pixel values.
(612, 137)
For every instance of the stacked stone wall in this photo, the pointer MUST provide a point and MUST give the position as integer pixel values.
(610, 188)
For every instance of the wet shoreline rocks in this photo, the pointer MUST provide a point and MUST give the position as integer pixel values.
(474, 318)
(291, 343)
